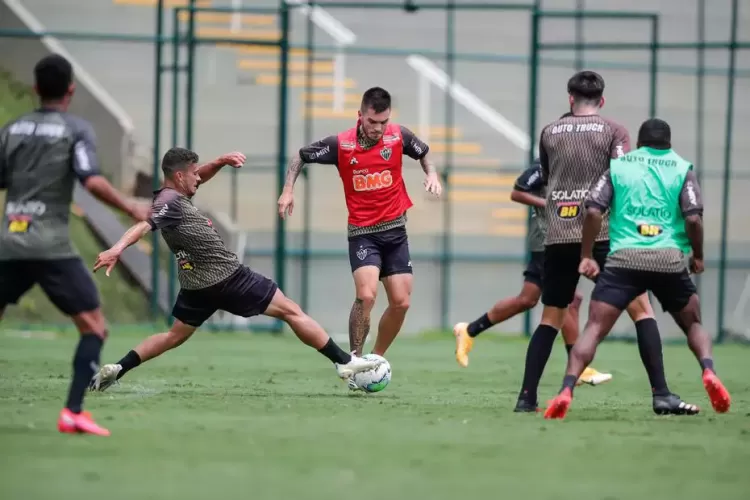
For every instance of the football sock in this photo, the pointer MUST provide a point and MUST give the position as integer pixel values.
(707, 364)
(333, 352)
(569, 382)
(537, 354)
(479, 325)
(85, 364)
(130, 361)
(649, 347)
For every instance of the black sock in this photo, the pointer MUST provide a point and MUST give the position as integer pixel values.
(537, 354)
(130, 361)
(707, 364)
(85, 364)
(568, 348)
(569, 382)
(479, 325)
(336, 354)
(649, 347)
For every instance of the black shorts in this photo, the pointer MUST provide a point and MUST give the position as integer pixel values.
(66, 282)
(618, 287)
(534, 272)
(386, 250)
(245, 293)
(561, 275)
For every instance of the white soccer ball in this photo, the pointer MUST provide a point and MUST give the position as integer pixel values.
(374, 380)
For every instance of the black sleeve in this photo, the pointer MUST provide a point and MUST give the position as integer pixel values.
(85, 162)
(414, 147)
(324, 151)
(543, 159)
(691, 200)
(165, 211)
(530, 181)
(601, 194)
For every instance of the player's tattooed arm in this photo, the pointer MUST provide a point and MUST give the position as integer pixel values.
(417, 149)
(359, 326)
(208, 170)
(324, 151)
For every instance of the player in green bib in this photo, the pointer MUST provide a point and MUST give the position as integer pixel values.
(656, 220)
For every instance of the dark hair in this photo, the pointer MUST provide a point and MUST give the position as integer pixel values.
(177, 159)
(53, 75)
(586, 87)
(655, 133)
(376, 98)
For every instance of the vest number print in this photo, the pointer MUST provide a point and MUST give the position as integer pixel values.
(649, 230)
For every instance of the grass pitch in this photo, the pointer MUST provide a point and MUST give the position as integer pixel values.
(250, 416)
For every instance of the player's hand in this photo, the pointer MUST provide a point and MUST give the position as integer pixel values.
(432, 184)
(589, 268)
(235, 159)
(286, 204)
(140, 211)
(108, 259)
(696, 265)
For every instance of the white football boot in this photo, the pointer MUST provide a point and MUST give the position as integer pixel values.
(105, 377)
(355, 365)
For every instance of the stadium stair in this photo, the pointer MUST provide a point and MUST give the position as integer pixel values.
(260, 65)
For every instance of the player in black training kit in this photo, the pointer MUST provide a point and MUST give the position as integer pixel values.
(211, 277)
(42, 153)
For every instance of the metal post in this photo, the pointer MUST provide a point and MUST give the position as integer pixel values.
(700, 90)
(190, 83)
(156, 151)
(280, 263)
(307, 210)
(172, 272)
(727, 168)
(450, 61)
(654, 66)
(580, 7)
(533, 91)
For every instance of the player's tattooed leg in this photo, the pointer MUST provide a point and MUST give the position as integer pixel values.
(359, 326)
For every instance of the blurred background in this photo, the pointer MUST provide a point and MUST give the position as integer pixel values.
(477, 81)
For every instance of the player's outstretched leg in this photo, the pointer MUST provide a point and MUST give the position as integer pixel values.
(501, 311)
(313, 335)
(73, 419)
(398, 288)
(689, 320)
(570, 331)
(151, 347)
(602, 318)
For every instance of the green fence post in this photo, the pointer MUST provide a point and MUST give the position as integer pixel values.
(155, 172)
(727, 168)
(533, 91)
(172, 274)
(190, 83)
(450, 62)
(580, 7)
(700, 90)
(280, 263)
(307, 209)
(654, 66)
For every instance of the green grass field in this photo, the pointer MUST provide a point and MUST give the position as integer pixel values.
(261, 417)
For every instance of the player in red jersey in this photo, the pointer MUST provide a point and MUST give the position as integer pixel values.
(369, 158)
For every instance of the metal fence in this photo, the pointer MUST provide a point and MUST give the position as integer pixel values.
(480, 107)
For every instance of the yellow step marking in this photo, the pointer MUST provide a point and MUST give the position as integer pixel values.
(482, 180)
(264, 50)
(301, 81)
(328, 97)
(466, 148)
(167, 3)
(275, 64)
(214, 32)
(479, 196)
(327, 112)
(228, 17)
(519, 213)
(477, 163)
(437, 131)
(514, 230)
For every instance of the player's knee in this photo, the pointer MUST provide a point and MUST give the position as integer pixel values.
(640, 308)
(91, 322)
(399, 302)
(176, 338)
(527, 301)
(583, 353)
(367, 298)
(289, 310)
(576, 304)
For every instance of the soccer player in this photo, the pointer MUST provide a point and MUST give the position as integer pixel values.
(211, 277)
(574, 152)
(369, 159)
(656, 220)
(528, 190)
(42, 153)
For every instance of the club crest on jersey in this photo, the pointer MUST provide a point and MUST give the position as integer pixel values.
(385, 153)
(568, 210)
(362, 253)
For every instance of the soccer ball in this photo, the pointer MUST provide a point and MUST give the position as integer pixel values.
(374, 380)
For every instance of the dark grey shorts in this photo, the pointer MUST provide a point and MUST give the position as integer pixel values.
(618, 287)
(386, 250)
